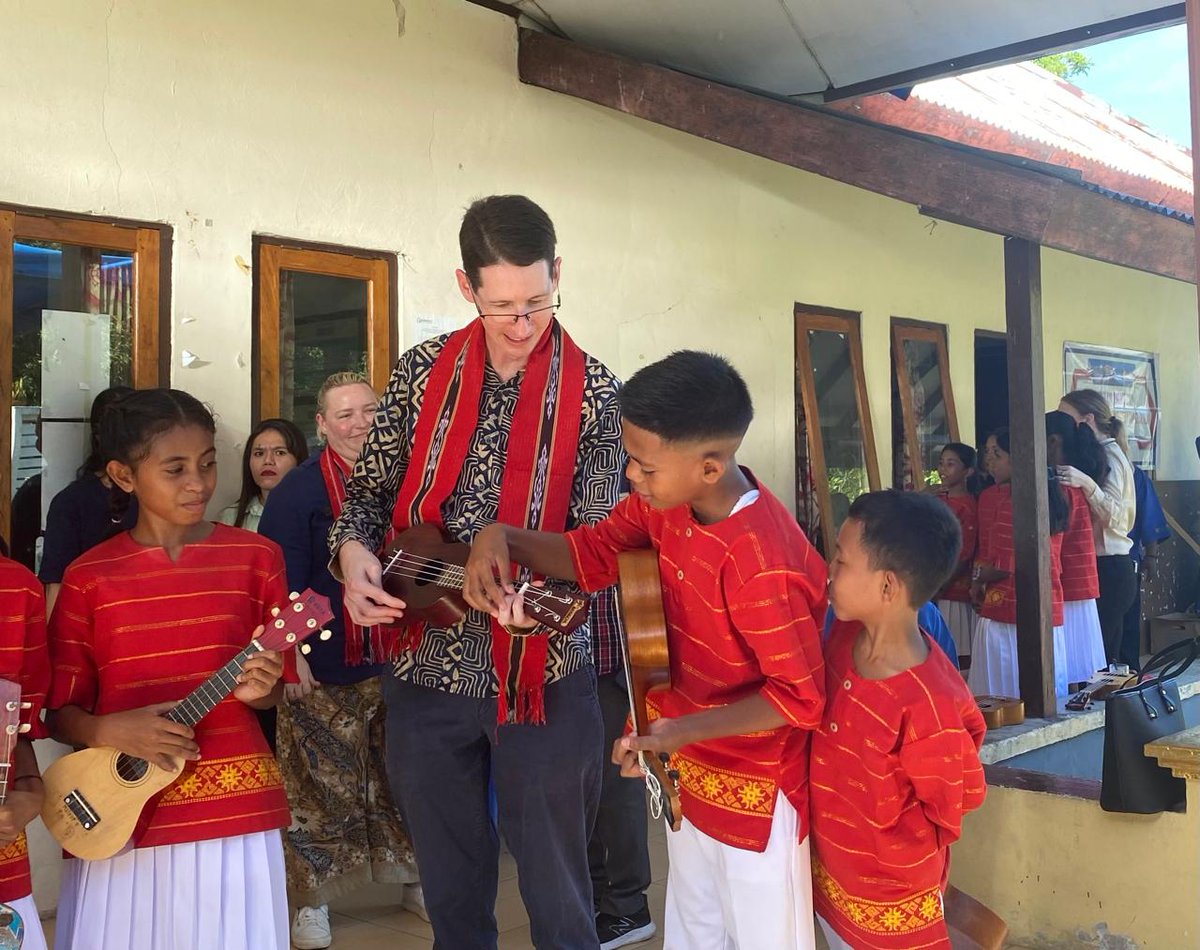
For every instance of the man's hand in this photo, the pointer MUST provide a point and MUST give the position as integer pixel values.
(489, 559)
(259, 675)
(147, 734)
(364, 596)
(308, 682)
(19, 809)
(666, 736)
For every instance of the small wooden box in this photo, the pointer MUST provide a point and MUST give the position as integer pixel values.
(1171, 628)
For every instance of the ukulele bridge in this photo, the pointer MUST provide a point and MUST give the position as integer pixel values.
(84, 813)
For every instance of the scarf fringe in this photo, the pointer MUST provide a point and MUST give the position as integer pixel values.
(530, 703)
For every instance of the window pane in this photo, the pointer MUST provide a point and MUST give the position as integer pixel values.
(322, 330)
(841, 427)
(72, 338)
(924, 377)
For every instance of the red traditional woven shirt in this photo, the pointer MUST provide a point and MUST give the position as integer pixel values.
(131, 628)
(895, 766)
(742, 599)
(965, 509)
(1079, 578)
(25, 661)
(1000, 599)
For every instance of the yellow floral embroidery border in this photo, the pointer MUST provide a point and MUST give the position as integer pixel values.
(907, 916)
(223, 778)
(746, 794)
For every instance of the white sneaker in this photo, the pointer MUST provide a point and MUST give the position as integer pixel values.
(413, 901)
(310, 929)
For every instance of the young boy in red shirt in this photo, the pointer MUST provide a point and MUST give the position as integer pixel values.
(743, 592)
(895, 764)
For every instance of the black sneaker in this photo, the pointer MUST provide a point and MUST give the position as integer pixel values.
(624, 931)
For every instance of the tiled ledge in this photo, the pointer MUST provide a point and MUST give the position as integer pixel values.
(1009, 741)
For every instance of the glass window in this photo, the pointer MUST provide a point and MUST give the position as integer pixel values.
(835, 446)
(923, 405)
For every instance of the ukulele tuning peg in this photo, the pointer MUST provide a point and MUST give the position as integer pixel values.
(12, 705)
(293, 596)
(274, 611)
(279, 624)
(10, 730)
(25, 727)
(305, 649)
(291, 638)
(26, 705)
(297, 606)
(326, 634)
(311, 624)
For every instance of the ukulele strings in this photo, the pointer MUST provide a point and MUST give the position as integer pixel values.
(407, 565)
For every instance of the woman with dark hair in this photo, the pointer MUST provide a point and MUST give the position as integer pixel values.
(1068, 443)
(273, 448)
(994, 669)
(83, 514)
(1113, 503)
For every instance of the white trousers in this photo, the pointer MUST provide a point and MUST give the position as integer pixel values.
(724, 898)
(223, 894)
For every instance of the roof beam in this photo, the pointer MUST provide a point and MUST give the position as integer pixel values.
(954, 183)
(1015, 52)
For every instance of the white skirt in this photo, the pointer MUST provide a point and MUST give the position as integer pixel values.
(960, 617)
(1084, 639)
(224, 894)
(994, 669)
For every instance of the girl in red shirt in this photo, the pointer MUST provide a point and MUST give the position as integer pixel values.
(141, 621)
(1068, 443)
(956, 469)
(994, 669)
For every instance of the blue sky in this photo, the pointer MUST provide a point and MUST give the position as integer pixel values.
(1146, 77)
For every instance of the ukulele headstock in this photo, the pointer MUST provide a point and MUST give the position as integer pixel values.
(305, 615)
(555, 607)
(10, 709)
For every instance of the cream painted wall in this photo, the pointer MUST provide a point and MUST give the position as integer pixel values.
(1058, 868)
(328, 122)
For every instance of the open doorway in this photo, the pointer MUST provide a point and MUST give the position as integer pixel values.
(991, 383)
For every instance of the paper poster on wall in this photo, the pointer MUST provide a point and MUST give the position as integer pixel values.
(1128, 379)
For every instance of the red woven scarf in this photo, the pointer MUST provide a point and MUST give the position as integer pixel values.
(336, 472)
(535, 490)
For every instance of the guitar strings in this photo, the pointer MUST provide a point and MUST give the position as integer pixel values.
(417, 567)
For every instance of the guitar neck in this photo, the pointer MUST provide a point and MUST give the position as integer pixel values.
(4, 768)
(205, 697)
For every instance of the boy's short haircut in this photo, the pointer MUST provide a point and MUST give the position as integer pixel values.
(915, 536)
(688, 397)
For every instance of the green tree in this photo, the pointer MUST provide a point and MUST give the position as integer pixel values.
(1066, 65)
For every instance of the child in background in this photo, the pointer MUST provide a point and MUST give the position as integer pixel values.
(895, 765)
(142, 620)
(956, 469)
(994, 670)
(1068, 443)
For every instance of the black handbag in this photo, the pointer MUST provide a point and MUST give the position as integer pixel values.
(1133, 781)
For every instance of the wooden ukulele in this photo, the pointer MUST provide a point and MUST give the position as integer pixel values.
(647, 667)
(1001, 711)
(12, 927)
(95, 797)
(426, 572)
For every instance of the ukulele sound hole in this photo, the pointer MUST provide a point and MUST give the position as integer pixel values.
(130, 769)
(428, 574)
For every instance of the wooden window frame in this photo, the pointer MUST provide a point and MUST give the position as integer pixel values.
(919, 331)
(830, 319)
(148, 243)
(379, 269)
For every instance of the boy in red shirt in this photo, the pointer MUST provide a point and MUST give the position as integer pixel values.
(895, 764)
(742, 589)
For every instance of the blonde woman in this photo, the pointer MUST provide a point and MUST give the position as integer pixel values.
(346, 831)
(1113, 505)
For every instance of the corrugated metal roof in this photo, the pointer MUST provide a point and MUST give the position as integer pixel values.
(1021, 109)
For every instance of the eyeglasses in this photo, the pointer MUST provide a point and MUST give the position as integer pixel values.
(515, 318)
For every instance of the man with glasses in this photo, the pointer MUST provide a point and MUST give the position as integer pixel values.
(503, 420)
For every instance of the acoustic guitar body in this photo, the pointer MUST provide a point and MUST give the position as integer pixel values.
(999, 711)
(92, 807)
(426, 552)
(645, 627)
